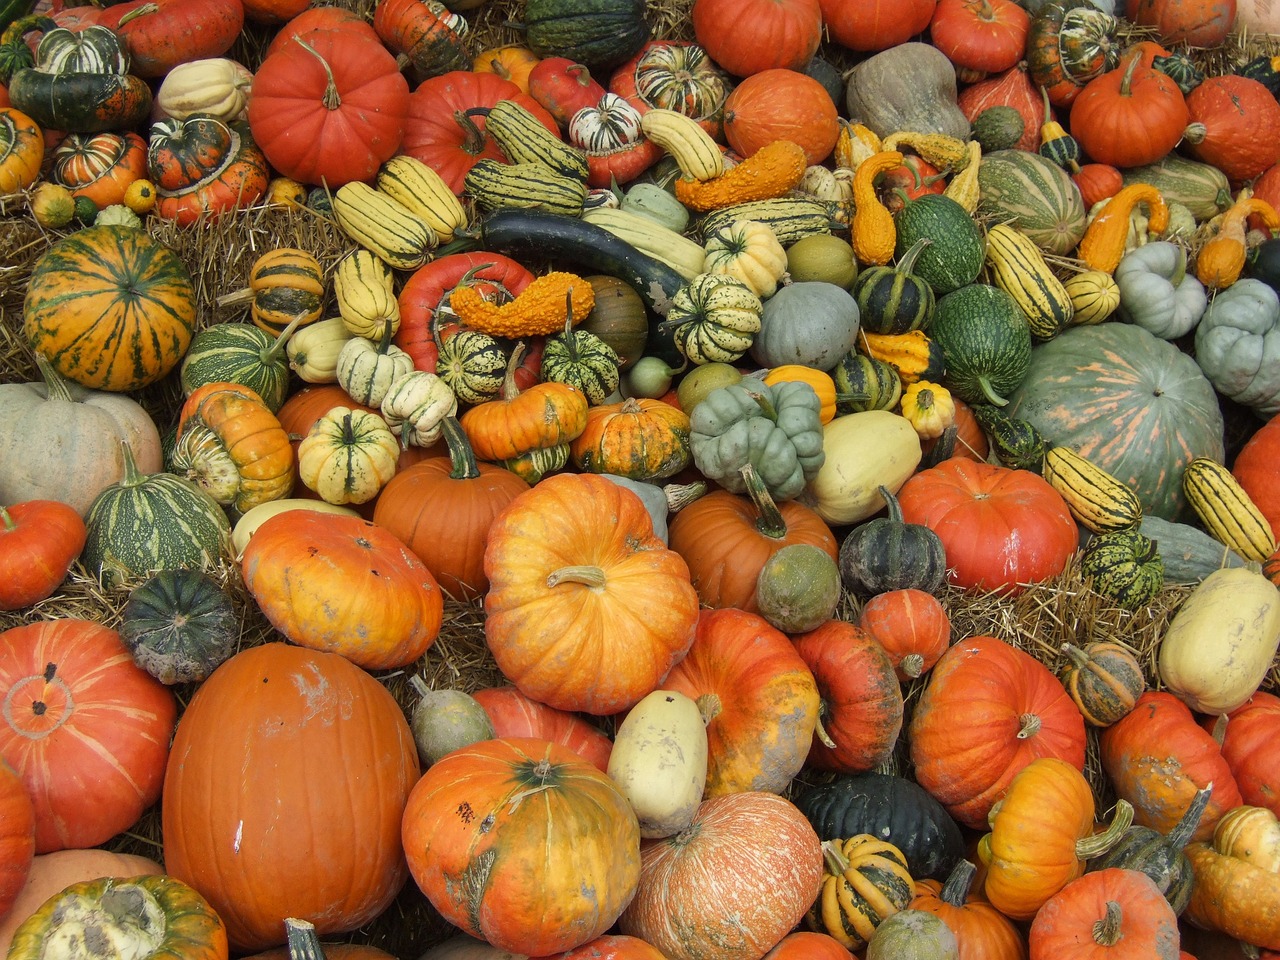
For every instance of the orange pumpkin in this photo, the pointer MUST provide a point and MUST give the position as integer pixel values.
(806, 945)
(982, 932)
(781, 104)
(521, 421)
(912, 626)
(17, 835)
(515, 715)
(340, 584)
(1114, 913)
(612, 947)
(757, 696)
(639, 438)
(546, 847)
(21, 150)
(512, 62)
(587, 609)
(317, 762)
(821, 382)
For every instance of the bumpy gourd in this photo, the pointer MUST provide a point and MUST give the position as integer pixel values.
(1222, 258)
(769, 172)
(1102, 245)
(874, 233)
(538, 310)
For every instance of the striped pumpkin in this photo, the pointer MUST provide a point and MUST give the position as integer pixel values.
(1033, 195)
(239, 353)
(111, 308)
(155, 522)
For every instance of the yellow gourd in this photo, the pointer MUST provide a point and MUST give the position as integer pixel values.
(964, 188)
(874, 233)
(940, 149)
(769, 172)
(856, 142)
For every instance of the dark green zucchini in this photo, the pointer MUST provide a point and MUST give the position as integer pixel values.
(533, 234)
(81, 102)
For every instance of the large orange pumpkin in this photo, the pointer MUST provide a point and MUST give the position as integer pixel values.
(523, 843)
(17, 835)
(746, 38)
(587, 609)
(85, 728)
(287, 780)
(515, 715)
(780, 104)
(343, 585)
(1251, 747)
(875, 24)
(1257, 467)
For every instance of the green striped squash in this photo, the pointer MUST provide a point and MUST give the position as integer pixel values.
(159, 521)
(525, 186)
(1200, 187)
(790, 218)
(1133, 404)
(1016, 443)
(239, 353)
(985, 341)
(598, 33)
(865, 383)
(1125, 567)
(892, 299)
(473, 365)
(1033, 195)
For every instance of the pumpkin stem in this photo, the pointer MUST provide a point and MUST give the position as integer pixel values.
(769, 519)
(243, 295)
(510, 390)
(1076, 655)
(588, 575)
(1099, 843)
(473, 141)
(1127, 79)
(348, 430)
(302, 940)
(1183, 830)
(680, 495)
(9, 524)
(764, 400)
(709, 707)
(955, 890)
(131, 475)
(1219, 731)
(908, 259)
(895, 511)
(419, 685)
(388, 329)
(1029, 726)
(1106, 932)
(1179, 271)
(912, 665)
(331, 99)
(272, 351)
(143, 11)
(55, 387)
(461, 456)
(570, 336)
(821, 729)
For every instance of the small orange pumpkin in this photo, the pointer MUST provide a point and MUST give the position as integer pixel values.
(21, 150)
(638, 438)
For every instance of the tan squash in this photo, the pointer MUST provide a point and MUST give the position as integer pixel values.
(865, 451)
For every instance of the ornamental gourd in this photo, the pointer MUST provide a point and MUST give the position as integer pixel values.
(640, 439)
(348, 456)
(715, 318)
(866, 881)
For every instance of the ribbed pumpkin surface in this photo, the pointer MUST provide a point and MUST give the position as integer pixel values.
(1132, 404)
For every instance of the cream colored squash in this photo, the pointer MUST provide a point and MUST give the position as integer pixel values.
(749, 251)
(865, 451)
(256, 516)
(659, 761)
(1221, 642)
(313, 350)
(216, 86)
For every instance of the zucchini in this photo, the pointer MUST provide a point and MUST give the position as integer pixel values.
(1019, 269)
(81, 102)
(1098, 501)
(535, 234)
(1226, 510)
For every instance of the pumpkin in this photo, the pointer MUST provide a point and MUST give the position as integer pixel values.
(640, 439)
(980, 35)
(1000, 528)
(160, 37)
(76, 701)
(982, 932)
(110, 307)
(866, 881)
(781, 104)
(1013, 90)
(573, 565)
(39, 540)
(1119, 912)
(251, 851)
(429, 36)
(732, 884)
(1204, 24)
(1157, 758)
(1249, 744)
(203, 167)
(760, 36)
(513, 61)
(757, 696)
(1129, 116)
(911, 626)
(875, 25)
(21, 150)
(989, 709)
(101, 167)
(1258, 471)
(1104, 679)
(807, 945)
(1132, 404)
(442, 509)
(515, 715)
(576, 845)
(1235, 122)
(341, 584)
(179, 625)
(860, 710)
(17, 836)
(157, 914)
(888, 554)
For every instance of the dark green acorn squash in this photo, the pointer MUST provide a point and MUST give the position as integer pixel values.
(955, 257)
(888, 808)
(892, 299)
(1135, 405)
(1263, 263)
(865, 383)
(598, 33)
(1160, 857)
(179, 625)
(1125, 567)
(985, 341)
(886, 554)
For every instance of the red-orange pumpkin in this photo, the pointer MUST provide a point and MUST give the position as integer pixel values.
(912, 626)
(343, 585)
(981, 35)
(286, 759)
(732, 884)
(869, 25)
(615, 946)
(1251, 747)
(515, 715)
(1112, 913)
(523, 843)
(757, 696)
(74, 700)
(17, 835)
(1013, 88)
(323, 17)
(587, 609)
(39, 540)
(1257, 467)
(1200, 23)
(1235, 126)
(1129, 116)
(330, 108)
(780, 104)
(988, 711)
(755, 35)
(805, 945)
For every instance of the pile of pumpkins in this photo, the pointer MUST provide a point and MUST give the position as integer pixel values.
(643, 347)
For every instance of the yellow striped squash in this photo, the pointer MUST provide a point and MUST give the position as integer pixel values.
(1018, 268)
(1226, 510)
(1097, 500)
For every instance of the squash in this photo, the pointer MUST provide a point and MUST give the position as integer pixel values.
(911, 86)
(985, 340)
(179, 625)
(888, 554)
(811, 323)
(446, 720)
(913, 935)
(1221, 642)
(866, 881)
(798, 588)
(659, 761)
(254, 517)
(864, 451)
(1104, 679)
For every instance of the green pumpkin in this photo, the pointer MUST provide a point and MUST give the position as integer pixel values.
(892, 299)
(913, 935)
(581, 359)
(144, 524)
(239, 353)
(179, 625)
(1016, 443)
(985, 343)
(715, 318)
(798, 588)
(886, 554)
(1125, 567)
(865, 383)
(811, 323)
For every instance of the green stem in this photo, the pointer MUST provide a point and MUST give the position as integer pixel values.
(461, 456)
(273, 351)
(1107, 932)
(955, 890)
(908, 259)
(895, 511)
(989, 392)
(1099, 843)
(55, 386)
(302, 940)
(769, 519)
(9, 524)
(1185, 828)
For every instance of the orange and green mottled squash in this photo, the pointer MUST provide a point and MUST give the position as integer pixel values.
(1133, 404)
(111, 308)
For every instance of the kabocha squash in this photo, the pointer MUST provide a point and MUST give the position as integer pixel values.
(639, 438)
(110, 307)
(348, 456)
(179, 625)
(573, 564)
(1104, 679)
(769, 172)
(811, 323)
(888, 554)
(866, 881)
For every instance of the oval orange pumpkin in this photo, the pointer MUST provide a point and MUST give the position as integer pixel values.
(781, 104)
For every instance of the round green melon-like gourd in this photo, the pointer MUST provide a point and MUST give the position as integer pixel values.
(913, 935)
(892, 299)
(179, 625)
(598, 33)
(1034, 195)
(886, 554)
(954, 256)
(657, 204)
(810, 323)
(1125, 567)
(239, 353)
(446, 720)
(998, 128)
(825, 257)
(144, 524)
(986, 342)
(798, 588)
(1134, 405)
(865, 383)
